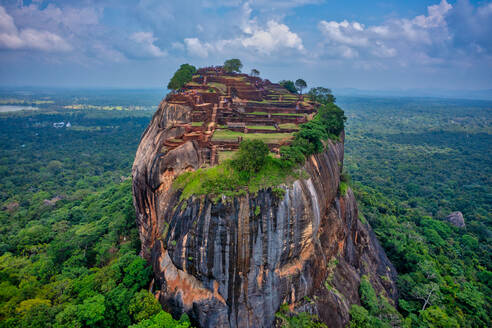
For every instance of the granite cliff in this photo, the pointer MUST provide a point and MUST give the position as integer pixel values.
(235, 261)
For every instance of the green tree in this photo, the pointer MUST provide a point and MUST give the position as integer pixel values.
(300, 85)
(137, 274)
(251, 156)
(332, 117)
(35, 313)
(321, 95)
(434, 317)
(143, 306)
(359, 317)
(289, 85)
(255, 72)
(233, 66)
(288, 319)
(91, 311)
(182, 76)
(163, 320)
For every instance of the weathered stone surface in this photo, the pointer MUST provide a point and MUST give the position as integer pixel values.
(229, 265)
(456, 219)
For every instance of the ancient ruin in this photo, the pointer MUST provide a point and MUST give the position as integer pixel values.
(227, 108)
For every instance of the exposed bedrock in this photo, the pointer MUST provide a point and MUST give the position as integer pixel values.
(234, 262)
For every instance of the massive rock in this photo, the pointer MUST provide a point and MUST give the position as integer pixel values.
(233, 263)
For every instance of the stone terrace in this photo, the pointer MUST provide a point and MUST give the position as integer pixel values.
(228, 108)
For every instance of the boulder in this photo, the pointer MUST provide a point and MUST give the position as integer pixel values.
(456, 219)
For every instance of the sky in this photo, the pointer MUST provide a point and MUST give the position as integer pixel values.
(371, 45)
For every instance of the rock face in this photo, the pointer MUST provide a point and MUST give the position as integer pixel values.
(234, 262)
(456, 219)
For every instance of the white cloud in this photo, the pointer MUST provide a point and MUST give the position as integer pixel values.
(196, 48)
(178, 46)
(274, 37)
(146, 46)
(436, 15)
(252, 37)
(394, 38)
(28, 38)
(351, 34)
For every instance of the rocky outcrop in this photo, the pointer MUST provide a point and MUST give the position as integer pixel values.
(232, 263)
(456, 219)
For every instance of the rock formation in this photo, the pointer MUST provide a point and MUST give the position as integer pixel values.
(456, 219)
(234, 262)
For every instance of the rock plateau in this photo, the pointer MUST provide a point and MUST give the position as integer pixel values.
(234, 262)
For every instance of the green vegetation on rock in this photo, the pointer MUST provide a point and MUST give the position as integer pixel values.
(182, 76)
(225, 179)
(252, 168)
(288, 319)
(375, 311)
(233, 66)
(327, 124)
(289, 85)
(300, 85)
(321, 95)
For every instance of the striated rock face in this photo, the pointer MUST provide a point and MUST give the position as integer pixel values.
(233, 263)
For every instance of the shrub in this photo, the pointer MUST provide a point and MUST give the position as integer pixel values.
(251, 156)
(328, 123)
(289, 85)
(368, 296)
(287, 319)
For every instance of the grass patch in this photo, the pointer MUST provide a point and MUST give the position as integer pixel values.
(226, 155)
(258, 113)
(287, 114)
(227, 135)
(223, 180)
(220, 86)
(288, 126)
(196, 123)
(343, 187)
(261, 127)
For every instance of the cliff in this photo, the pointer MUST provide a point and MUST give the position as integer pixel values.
(234, 262)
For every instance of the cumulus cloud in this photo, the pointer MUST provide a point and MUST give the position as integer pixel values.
(393, 38)
(471, 27)
(446, 34)
(265, 39)
(145, 45)
(197, 48)
(28, 38)
(275, 36)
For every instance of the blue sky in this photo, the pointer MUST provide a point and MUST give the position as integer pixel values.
(374, 45)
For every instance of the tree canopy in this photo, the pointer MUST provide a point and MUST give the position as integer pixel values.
(289, 85)
(328, 123)
(233, 65)
(321, 95)
(300, 85)
(251, 156)
(182, 76)
(255, 72)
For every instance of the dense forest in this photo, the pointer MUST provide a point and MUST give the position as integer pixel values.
(412, 163)
(68, 239)
(69, 245)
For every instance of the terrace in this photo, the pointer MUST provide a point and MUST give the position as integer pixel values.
(230, 108)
